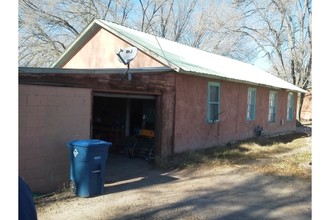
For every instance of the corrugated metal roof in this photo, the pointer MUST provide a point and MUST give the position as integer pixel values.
(189, 60)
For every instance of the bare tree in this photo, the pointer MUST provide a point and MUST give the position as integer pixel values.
(150, 9)
(217, 33)
(181, 16)
(166, 18)
(282, 32)
(197, 24)
(46, 28)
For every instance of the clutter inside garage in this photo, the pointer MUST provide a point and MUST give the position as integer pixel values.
(128, 122)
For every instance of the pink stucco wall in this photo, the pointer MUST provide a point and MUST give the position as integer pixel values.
(99, 52)
(188, 103)
(49, 117)
(192, 130)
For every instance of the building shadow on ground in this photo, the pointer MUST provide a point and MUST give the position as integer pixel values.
(124, 173)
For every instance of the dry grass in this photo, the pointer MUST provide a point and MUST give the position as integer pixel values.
(285, 155)
(288, 159)
(296, 165)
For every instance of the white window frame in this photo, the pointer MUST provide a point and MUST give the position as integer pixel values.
(290, 107)
(251, 104)
(213, 118)
(272, 108)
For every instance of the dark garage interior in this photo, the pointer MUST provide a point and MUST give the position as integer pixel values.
(127, 121)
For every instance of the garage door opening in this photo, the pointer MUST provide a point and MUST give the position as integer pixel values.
(127, 121)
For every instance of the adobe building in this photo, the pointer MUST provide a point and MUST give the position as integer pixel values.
(189, 98)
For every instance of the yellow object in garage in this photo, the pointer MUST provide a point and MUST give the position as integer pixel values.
(147, 133)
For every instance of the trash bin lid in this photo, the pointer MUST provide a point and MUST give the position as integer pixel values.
(89, 143)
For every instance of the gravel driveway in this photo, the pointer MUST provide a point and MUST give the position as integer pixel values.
(134, 190)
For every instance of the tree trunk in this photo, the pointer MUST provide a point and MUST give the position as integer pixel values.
(300, 105)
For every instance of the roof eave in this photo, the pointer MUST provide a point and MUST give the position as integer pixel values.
(65, 71)
(296, 89)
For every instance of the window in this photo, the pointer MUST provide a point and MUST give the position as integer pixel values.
(251, 104)
(213, 102)
(290, 108)
(272, 106)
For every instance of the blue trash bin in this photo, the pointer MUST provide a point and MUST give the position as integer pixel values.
(87, 166)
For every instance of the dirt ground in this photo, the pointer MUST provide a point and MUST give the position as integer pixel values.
(135, 190)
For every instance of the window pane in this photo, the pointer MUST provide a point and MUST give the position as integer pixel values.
(251, 101)
(272, 106)
(251, 111)
(272, 114)
(214, 112)
(213, 102)
(290, 115)
(214, 94)
(290, 107)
